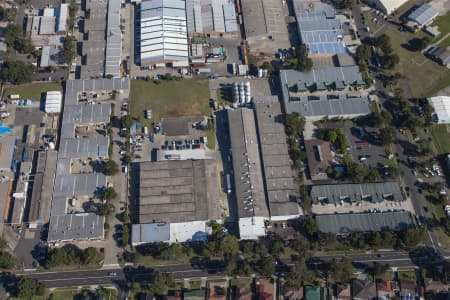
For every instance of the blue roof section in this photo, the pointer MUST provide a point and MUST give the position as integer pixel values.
(321, 31)
(325, 48)
(424, 14)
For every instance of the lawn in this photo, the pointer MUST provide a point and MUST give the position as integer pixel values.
(368, 15)
(441, 138)
(445, 43)
(407, 275)
(443, 22)
(69, 293)
(31, 90)
(424, 76)
(173, 98)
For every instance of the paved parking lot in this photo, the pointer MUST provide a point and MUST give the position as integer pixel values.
(363, 143)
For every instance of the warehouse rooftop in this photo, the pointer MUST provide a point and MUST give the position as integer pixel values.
(248, 179)
(177, 191)
(366, 222)
(374, 192)
(279, 179)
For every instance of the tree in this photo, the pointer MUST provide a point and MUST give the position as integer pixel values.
(311, 226)
(375, 239)
(68, 52)
(341, 271)
(231, 267)
(110, 168)
(125, 236)
(266, 266)
(387, 135)
(363, 53)
(16, 72)
(268, 66)
(15, 38)
(299, 275)
(126, 121)
(3, 243)
(109, 193)
(90, 255)
(171, 252)
(384, 43)
(161, 282)
(27, 288)
(294, 123)
(7, 261)
(229, 245)
(304, 63)
(378, 270)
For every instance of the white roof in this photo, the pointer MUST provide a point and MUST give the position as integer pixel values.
(53, 102)
(391, 5)
(251, 228)
(441, 105)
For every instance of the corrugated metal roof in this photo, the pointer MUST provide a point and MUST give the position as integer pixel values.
(373, 192)
(150, 233)
(424, 14)
(364, 222)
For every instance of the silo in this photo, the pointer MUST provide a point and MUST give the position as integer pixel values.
(260, 73)
(248, 96)
(235, 92)
(242, 92)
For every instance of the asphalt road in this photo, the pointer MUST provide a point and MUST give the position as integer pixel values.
(123, 277)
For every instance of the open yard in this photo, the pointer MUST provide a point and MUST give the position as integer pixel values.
(31, 90)
(424, 76)
(441, 138)
(188, 97)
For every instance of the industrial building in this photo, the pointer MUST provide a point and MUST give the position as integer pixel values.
(387, 6)
(263, 179)
(42, 187)
(211, 17)
(53, 102)
(441, 106)
(67, 222)
(279, 185)
(163, 32)
(318, 153)
(113, 54)
(356, 192)
(183, 194)
(94, 40)
(20, 193)
(423, 15)
(324, 92)
(341, 224)
(320, 30)
(441, 55)
(49, 27)
(265, 25)
(8, 145)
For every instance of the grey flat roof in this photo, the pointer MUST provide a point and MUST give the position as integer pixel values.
(65, 226)
(84, 147)
(70, 227)
(263, 18)
(424, 14)
(374, 192)
(113, 39)
(178, 191)
(149, 233)
(281, 189)
(43, 184)
(248, 178)
(347, 223)
(21, 192)
(84, 114)
(7, 150)
(295, 84)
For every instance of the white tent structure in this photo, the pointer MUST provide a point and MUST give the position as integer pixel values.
(53, 102)
(441, 105)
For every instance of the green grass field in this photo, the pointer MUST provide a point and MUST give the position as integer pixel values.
(424, 76)
(441, 138)
(173, 98)
(31, 90)
(445, 42)
(443, 22)
(69, 293)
